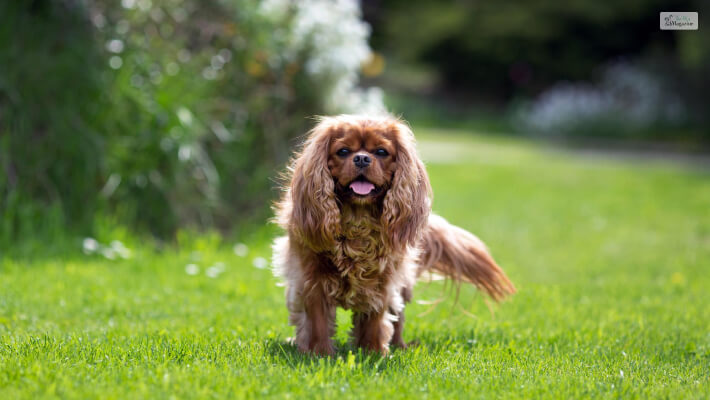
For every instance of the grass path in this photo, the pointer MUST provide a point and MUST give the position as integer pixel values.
(611, 259)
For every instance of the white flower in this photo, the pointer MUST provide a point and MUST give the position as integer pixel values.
(275, 9)
(109, 253)
(335, 39)
(172, 68)
(90, 245)
(115, 62)
(627, 97)
(145, 5)
(241, 249)
(260, 262)
(122, 27)
(192, 269)
(185, 116)
(114, 45)
(184, 153)
(120, 249)
(215, 270)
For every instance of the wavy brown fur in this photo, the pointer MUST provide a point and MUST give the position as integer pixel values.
(461, 256)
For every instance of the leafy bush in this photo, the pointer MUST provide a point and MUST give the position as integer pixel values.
(164, 113)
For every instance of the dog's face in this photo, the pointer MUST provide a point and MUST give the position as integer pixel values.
(362, 162)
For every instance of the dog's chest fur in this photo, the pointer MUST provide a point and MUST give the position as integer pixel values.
(362, 267)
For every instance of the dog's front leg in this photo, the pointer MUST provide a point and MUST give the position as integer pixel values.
(397, 338)
(318, 326)
(372, 331)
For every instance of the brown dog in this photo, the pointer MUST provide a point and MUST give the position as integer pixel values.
(360, 231)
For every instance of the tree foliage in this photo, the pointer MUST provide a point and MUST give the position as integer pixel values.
(163, 113)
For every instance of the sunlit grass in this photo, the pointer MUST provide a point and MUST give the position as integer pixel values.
(610, 258)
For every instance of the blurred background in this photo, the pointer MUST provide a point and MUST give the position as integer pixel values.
(159, 115)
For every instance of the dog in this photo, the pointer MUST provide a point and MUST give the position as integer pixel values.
(357, 212)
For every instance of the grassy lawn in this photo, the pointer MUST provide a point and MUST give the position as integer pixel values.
(611, 259)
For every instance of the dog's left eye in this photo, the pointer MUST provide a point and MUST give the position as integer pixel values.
(381, 153)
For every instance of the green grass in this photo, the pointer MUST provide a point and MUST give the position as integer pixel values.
(610, 258)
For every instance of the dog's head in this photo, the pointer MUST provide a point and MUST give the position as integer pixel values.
(363, 161)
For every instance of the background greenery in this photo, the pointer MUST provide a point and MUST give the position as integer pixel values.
(511, 58)
(164, 114)
(161, 114)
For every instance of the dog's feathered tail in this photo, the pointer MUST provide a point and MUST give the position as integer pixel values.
(461, 256)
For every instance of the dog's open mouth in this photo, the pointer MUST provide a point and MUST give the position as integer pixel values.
(362, 187)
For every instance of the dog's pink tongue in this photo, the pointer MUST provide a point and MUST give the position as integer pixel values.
(362, 188)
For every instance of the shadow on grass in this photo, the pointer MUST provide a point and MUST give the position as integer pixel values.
(430, 344)
(345, 354)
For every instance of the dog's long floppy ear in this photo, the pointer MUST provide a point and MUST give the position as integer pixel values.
(407, 203)
(315, 217)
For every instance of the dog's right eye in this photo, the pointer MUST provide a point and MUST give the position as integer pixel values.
(343, 152)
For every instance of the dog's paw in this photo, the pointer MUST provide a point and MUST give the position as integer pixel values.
(318, 349)
(402, 345)
(324, 350)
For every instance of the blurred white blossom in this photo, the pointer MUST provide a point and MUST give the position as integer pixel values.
(122, 27)
(241, 249)
(215, 270)
(128, 3)
(114, 45)
(145, 5)
(114, 250)
(626, 98)
(185, 116)
(120, 249)
(192, 269)
(115, 62)
(260, 262)
(108, 253)
(98, 19)
(90, 245)
(336, 40)
(184, 55)
(172, 68)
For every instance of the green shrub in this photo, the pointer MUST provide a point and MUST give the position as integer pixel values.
(163, 113)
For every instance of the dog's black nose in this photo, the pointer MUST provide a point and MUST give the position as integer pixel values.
(362, 160)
